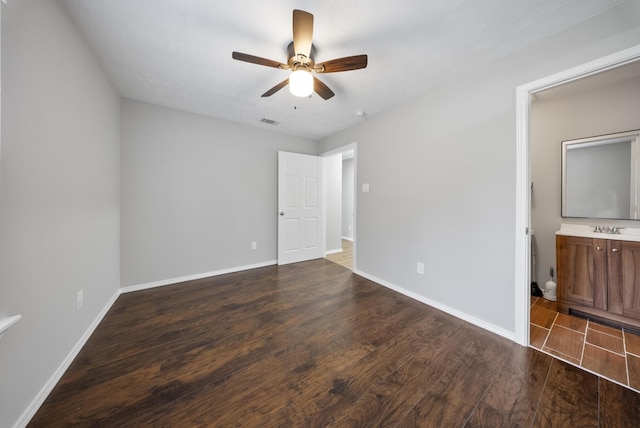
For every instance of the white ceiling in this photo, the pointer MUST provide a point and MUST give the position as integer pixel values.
(177, 53)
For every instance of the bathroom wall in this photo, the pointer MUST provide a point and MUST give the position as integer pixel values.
(604, 110)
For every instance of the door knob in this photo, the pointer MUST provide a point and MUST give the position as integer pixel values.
(281, 213)
(614, 250)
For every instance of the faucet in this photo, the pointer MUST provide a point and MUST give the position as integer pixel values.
(607, 229)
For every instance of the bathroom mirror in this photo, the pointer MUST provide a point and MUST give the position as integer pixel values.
(600, 176)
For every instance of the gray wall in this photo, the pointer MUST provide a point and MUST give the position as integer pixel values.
(333, 203)
(445, 195)
(59, 196)
(604, 110)
(196, 191)
(347, 198)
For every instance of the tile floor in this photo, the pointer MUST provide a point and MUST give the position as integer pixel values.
(608, 352)
(344, 258)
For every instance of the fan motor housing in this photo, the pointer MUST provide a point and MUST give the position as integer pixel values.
(296, 62)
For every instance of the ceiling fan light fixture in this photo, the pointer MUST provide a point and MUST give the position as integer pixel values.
(301, 61)
(301, 83)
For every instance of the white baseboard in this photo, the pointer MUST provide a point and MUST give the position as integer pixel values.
(347, 239)
(31, 410)
(444, 308)
(339, 250)
(171, 281)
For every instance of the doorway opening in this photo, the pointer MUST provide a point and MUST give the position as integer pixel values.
(524, 96)
(340, 205)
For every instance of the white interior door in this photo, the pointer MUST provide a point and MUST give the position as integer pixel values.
(300, 214)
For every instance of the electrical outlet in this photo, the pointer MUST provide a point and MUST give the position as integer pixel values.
(420, 268)
(254, 245)
(79, 299)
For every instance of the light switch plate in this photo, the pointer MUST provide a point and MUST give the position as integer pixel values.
(365, 187)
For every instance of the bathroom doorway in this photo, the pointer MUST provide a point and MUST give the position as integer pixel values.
(524, 96)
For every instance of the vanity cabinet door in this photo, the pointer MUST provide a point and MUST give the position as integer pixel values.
(582, 271)
(630, 278)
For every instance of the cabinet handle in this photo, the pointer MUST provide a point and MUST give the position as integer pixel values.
(614, 250)
(598, 248)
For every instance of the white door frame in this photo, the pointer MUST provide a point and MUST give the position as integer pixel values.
(353, 146)
(523, 175)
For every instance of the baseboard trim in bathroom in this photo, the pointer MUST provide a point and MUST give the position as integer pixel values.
(604, 321)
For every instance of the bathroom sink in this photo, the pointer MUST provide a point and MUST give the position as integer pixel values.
(586, 231)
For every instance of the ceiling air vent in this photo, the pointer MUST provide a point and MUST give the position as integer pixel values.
(268, 121)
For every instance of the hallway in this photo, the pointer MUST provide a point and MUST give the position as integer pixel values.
(345, 257)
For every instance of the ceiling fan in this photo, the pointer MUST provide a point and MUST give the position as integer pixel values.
(301, 62)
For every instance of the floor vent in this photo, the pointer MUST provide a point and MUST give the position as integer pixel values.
(268, 121)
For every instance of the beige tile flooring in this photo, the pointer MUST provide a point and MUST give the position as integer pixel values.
(345, 257)
(608, 352)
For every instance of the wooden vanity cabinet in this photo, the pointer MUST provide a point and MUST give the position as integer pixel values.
(600, 277)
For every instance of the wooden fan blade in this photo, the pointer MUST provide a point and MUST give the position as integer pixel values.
(276, 88)
(342, 64)
(322, 89)
(302, 32)
(257, 60)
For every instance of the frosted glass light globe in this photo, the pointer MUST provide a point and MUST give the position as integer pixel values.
(301, 83)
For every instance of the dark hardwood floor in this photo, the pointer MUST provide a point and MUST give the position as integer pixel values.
(312, 344)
